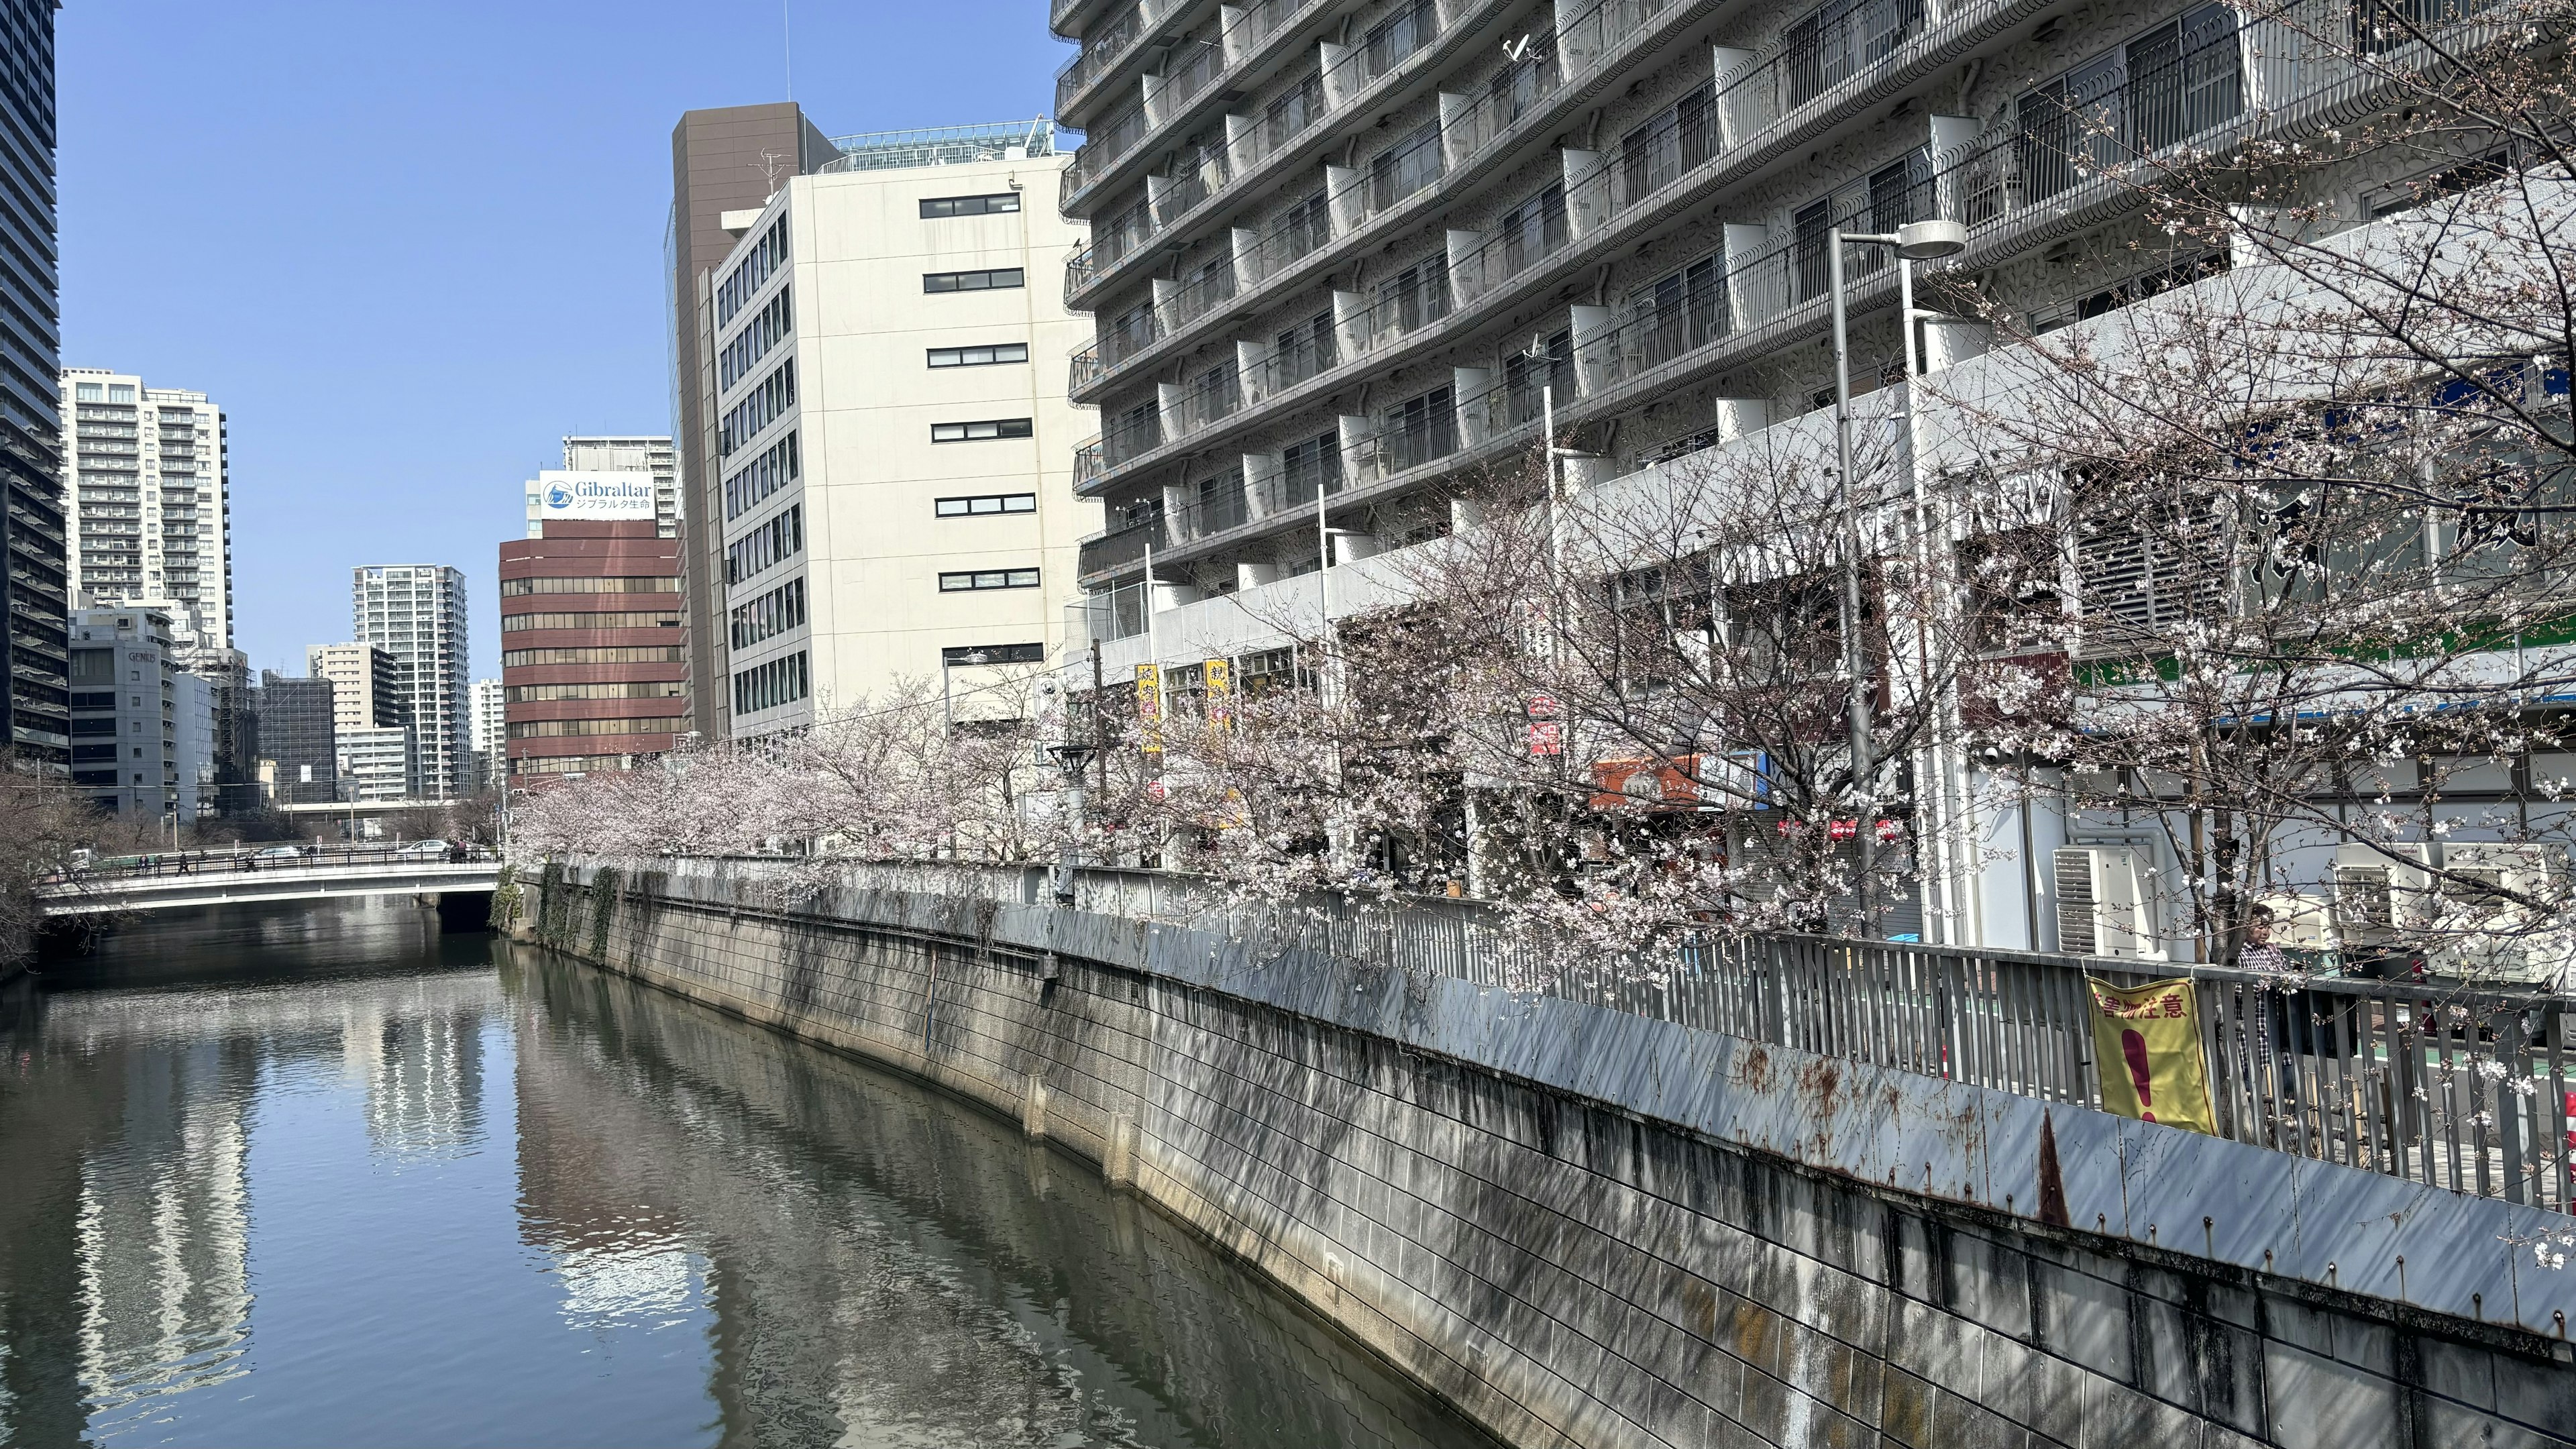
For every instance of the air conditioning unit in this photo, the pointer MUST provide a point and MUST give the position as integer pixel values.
(2485, 931)
(2104, 904)
(2380, 897)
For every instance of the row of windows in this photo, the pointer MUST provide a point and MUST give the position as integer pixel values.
(770, 615)
(594, 654)
(981, 431)
(983, 503)
(767, 256)
(772, 325)
(990, 280)
(782, 537)
(569, 764)
(657, 584)
(648, 619)
(979, 356)
(759, 407)
(775, 468)
(660, 724)
(973, 580)
(938, 206)
(963, 655)
(639, 689)
(767, 686)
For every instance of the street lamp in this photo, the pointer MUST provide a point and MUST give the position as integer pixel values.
(1917, 241)
(1072, 758)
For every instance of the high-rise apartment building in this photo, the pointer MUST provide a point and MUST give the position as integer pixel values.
(366, 692)
(151, 506)
(377, 763)
(592, 666)
(297, 739)
(489, 733)
(416, 613)
(652, 460)
(35, 591)
(126, 716)
(724, 161)
(893, 479)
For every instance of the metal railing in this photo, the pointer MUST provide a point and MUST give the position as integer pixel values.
(1123, 545)
(2460, 1087)
(177, 864)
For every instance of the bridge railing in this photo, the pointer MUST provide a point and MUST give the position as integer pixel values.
(2458, 1086)
(179, 863)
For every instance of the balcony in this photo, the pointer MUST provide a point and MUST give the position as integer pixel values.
(1095, 61)
(1082, 369)
(1122, 546)
(1078, 270)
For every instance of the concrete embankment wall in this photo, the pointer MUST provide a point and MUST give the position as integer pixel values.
(1585, 1227)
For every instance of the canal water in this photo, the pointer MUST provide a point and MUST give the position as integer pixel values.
(290, 1175)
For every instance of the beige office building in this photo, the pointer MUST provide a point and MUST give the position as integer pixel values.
(884, 354)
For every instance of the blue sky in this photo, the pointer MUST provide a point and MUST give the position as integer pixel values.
(410, 246)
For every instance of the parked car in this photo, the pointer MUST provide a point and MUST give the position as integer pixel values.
(281, 852)
(424, 847)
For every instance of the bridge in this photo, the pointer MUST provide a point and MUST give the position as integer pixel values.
(197, 879)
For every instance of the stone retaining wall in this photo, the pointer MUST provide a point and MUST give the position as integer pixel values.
(1463, 1180)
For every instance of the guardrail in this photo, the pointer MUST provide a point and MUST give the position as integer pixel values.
(2461, 1087)
(175, 864)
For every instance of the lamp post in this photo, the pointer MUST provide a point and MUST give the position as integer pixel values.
(1914, 242)
(1072, 757)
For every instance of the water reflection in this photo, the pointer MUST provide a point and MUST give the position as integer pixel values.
(325, 1176)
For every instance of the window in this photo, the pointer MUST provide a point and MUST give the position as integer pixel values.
(648, 619)
(2120, 294)
(1535, 229)
(972, 654)
(772, 614)
(1404, 168)
(987, 503)
(979, 432)
(979, 356)
(995, 279)
(1837, 41)
(613, 654)
(88, 392)
(759, 407)
(988, 579)
(1311, 468)
(648, 584)
(1303, 227)
(1419, 429)
(1676, 141)
(773, 324)
(1417, 295)
(766, 256)
(767, 686)
(1684, 310)
(1309, 348)
(660, 724)
(779, 539)
(541, 693)
(1294, 110)
(120, 392)
(1524, 377)
(2170, 83)
(994, 205)
(1398, 36)
(774, 469)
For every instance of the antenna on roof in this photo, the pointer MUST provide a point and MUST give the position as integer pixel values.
(787, 48)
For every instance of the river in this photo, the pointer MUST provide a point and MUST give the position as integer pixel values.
(323, 1175)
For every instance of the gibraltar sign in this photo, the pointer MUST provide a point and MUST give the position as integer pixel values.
(593, 497)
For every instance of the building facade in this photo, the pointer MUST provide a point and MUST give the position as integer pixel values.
(416, 613)
(376, 762)
(298, 743)
(35, 588)
(890, 490)
(593, 666)
(652, 458)
(490, 731)
(126, 724)
(151, 506)
(723, 161)
(365, 688)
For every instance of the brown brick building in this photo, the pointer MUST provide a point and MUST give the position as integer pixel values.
(592, 648)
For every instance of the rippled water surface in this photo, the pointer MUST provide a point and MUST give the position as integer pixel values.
(287, 1176)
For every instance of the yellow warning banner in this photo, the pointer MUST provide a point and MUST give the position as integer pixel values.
(2146, 1042)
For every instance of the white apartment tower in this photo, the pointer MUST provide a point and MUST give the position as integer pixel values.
(893, 441)
(150, 516)
(416, 613)
(490, 733)
(651, 457)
